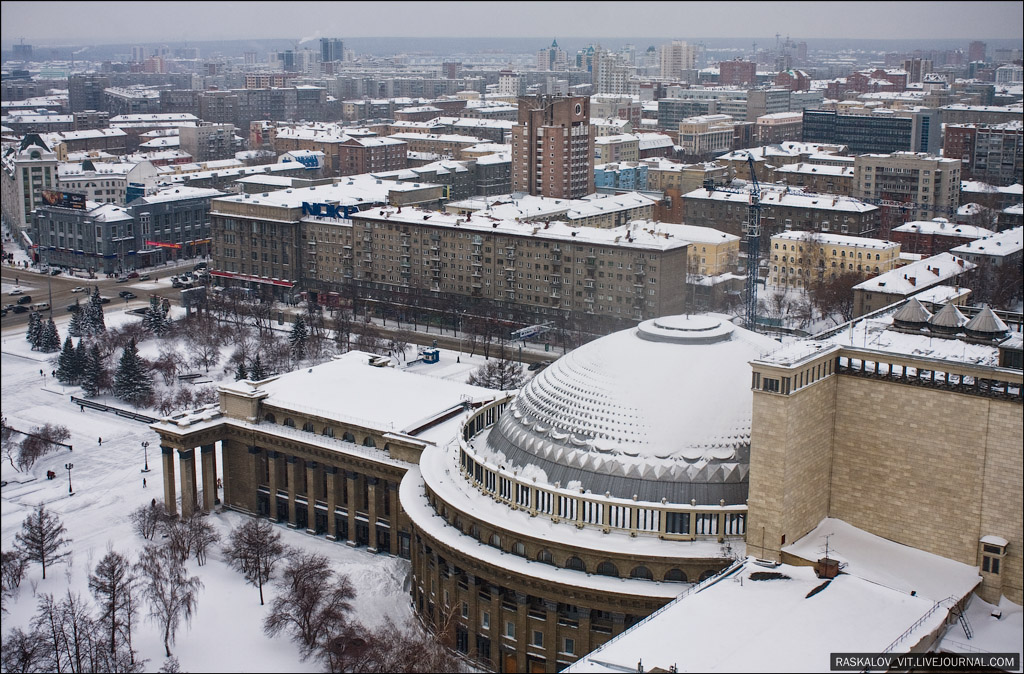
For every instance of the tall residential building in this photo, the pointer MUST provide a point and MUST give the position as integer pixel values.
(511, 83)
(85, 92)
(612, 74)
(917, 68)
(208, 141)
(553, 147)
(331, 49)
(676, 57)
(917, 185)
(552, 58)
(991, 153)
(737, 72)
(976, 51)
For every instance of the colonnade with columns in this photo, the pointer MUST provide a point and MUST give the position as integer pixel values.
(191, 498)
(352, 503)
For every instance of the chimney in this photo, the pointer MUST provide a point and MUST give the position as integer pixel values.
(913, 281)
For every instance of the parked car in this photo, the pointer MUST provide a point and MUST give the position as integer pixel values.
(201, 265)
(79, 289)
(55, 272)
(25, 299)
(134, 274)
(144, 277)
(16, 291)
(123, 279)
(538, 366)
(104, 299)
(3, 313)
(20, 309)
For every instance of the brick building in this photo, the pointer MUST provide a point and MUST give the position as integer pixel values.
(553, 148)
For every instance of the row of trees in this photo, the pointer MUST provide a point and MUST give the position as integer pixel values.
(34, 445)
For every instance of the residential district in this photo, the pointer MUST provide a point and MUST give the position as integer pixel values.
(773, 293)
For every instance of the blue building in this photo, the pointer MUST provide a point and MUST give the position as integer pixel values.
(621, 176)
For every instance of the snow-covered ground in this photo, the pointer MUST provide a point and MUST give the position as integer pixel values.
(226, 634)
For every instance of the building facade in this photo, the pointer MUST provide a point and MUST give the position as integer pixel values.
(553, 148)
(917, 185)
(991, 153)
(799, 259)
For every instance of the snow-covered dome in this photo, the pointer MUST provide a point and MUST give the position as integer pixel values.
(658, 411)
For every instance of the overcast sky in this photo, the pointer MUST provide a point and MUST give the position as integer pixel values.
(126, 22)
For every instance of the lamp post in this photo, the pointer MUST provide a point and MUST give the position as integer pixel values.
(69, 466)
(145, 448)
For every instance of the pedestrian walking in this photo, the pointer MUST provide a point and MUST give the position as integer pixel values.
(143, 483)
(82, 408)
(101, 441)
(41, 372)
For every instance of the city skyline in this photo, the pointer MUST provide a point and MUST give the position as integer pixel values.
(55, 22)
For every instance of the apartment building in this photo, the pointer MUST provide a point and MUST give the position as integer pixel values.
(917, 185)
(797, 259)
(553, 147)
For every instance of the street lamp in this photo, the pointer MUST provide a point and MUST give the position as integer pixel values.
(69, 466)
(145, 448)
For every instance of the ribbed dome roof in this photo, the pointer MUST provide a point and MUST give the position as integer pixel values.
(660, 410)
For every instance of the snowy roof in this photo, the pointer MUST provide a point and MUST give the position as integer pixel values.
(817, 169)
(1006, 242)
(944, 227)
(787, 196)
(692, 233)
(917, 276)
(438, 468)
(615, 415)
(786, 149)
(442, 137)
(978, 186)
(886, 563)
(649, 141)
(162, 142)
(991, 632)
(836, 240)
(348, 388)
(739, 624)
(179, 193)
(349, 190)
(662, 236)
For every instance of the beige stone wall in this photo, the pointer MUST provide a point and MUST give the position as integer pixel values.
(790, 461)
(937, 479)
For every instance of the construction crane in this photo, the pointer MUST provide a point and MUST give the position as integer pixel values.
(753, 245)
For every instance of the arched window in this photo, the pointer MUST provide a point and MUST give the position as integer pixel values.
(544, 556)
(348, 437)
(308, 427)
(641, 572)
(607, 569)
(707, 574)
(328, 431)
(675, 576)
(289, 422)
(268, 417)
(519, 549)
(474, 531)
(575, 563)
(369, 442)
(495, 541)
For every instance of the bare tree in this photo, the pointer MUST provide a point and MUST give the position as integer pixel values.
(70, 636)
(342, 327)
(24, 652)
(311, 603)
(388, 648)
(172, 594)
(254, 548)
(112, 584)
(368, 338)
(39, 442)
(501, 373)
(146, 519)
(41, 539)
(832, 296)
(13, 566)
(398, 342)
(201, 535)
(204, 344)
